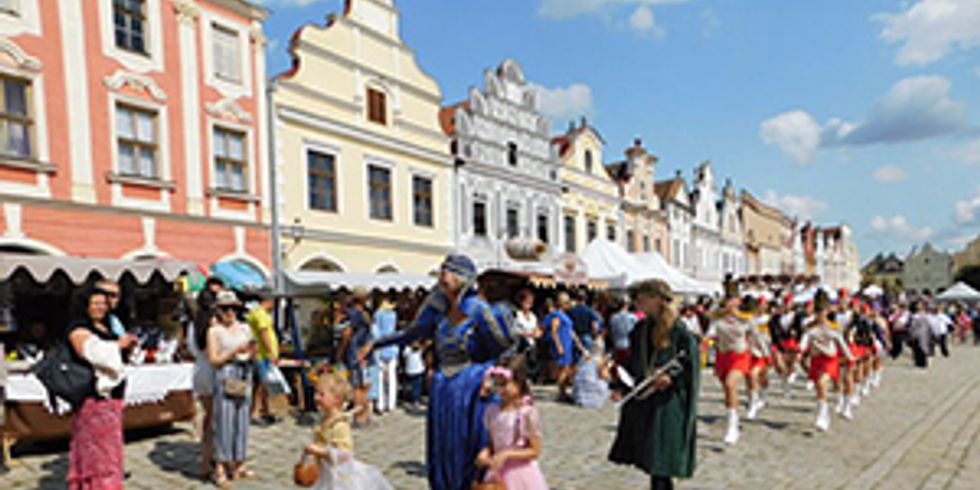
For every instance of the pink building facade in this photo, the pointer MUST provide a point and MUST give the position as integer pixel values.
(134, 129)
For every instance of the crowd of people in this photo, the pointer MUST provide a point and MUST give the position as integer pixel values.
(472, 351)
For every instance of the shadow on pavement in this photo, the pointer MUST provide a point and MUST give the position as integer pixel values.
(55, 473)
(181, 457)
(411, 468)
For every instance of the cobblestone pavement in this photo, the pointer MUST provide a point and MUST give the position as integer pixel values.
(919, 430)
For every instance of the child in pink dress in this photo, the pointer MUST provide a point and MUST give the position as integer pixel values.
(514, 426)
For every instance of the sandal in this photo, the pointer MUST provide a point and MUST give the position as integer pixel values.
(221, 481)
(244, 474)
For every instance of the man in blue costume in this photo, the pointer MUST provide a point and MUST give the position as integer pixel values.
(469, 334)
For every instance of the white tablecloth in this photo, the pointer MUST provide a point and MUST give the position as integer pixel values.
(144, 384)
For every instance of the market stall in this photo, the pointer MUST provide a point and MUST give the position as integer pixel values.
(38, 299)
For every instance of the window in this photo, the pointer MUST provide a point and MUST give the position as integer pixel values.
(591, 230)
(630, 246)
(8, 7)
(227, 61)
(379, 189)
(422, 200)
(15, 118)
(512, 154)
(570, 234)
(543, 227)
(377, 106)
(611, 231)
(230, 161)
(646, 244)
(136, 142)
(321, 175)
(588, 161)
(659, 245)
(129, 18)
(513, 223)
(480, 218)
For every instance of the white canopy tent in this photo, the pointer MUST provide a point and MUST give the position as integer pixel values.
(43, 267)
(959, 292)
(873, 291)
(300, 283)
(677, 280)
(607, 261)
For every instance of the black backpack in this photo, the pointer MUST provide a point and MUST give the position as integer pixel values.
(64, 376)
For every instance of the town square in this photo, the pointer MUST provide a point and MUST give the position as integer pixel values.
(522, 244)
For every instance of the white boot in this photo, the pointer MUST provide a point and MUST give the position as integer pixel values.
(855, 400)
(732, 434)
(840, 403)
(876, 378)
(809, 386)
(866, 387)
(754, 405)
(792, 376)
(823, 416)
(847, 413)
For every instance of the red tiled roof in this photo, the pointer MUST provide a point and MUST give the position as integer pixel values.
(447, 117)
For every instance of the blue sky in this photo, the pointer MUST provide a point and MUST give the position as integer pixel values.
(863, 112)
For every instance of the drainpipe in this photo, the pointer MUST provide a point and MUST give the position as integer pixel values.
(274, 191)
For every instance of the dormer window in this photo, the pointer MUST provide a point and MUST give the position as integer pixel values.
(377, 106)
(588, 161)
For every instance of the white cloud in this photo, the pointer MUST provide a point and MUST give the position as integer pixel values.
(709, 22)
(898, 226)
(890, 173)
(968, 152)
(915, 108)
(566, 9)
(644, 22)
(968, 210)
(796, 133)
(803, 207)
(569, 102)
(929, 29)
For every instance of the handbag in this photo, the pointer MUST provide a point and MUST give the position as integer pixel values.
(235, 387)
(64, 376)
(306, 472)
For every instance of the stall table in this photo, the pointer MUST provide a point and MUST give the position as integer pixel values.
(155, 395)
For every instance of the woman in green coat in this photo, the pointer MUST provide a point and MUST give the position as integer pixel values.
(657, 434)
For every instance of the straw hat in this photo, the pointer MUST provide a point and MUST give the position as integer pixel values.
(227, 298)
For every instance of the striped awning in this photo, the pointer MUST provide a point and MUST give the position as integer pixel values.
(43, 267)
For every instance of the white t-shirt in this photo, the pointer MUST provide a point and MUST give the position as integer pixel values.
(527, 323)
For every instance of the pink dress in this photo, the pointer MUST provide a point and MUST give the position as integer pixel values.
(512, 429)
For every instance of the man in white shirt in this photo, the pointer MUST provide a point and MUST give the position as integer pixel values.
(940, 323)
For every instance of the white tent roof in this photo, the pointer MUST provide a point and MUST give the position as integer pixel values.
(959, 292)
(678, 281)
(610, 262)
(873, 291)
(313, 282)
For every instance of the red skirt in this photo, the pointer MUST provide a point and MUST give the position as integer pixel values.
(759, 362)
(857, 351)
(790, 345)
(820, 365)
(726, 362)
(95, 456)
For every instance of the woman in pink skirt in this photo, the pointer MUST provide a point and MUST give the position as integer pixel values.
(514, 425)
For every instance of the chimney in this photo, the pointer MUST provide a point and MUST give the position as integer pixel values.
(571, 126)
(638, 143)
(585, 122)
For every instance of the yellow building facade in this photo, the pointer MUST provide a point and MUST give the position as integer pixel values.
(591, 203)
(364, 170)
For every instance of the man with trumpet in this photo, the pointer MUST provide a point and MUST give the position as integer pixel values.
(657, 427)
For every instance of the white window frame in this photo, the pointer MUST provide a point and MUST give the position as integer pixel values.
(327, 149)
(163, 152)
(153, 60)
(25, 19)
(134, 109)
(216, 209)
(41, 187)
(218, 29)
(228, 89)
(369, 161)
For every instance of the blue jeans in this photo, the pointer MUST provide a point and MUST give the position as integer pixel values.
(416, 383)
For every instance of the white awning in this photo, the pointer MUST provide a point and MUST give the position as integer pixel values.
(959, 292)
(42, 268)
(313, 282)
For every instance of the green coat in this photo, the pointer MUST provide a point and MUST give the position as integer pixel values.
(658, 434)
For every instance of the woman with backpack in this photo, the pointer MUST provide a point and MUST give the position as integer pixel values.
(95, 458)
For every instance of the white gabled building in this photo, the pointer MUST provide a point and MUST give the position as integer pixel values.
(732, 245)
(508, 182)
(706, 226)
(675, 201)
